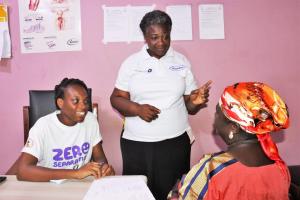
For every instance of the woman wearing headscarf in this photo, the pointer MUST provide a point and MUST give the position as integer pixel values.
(251, 167)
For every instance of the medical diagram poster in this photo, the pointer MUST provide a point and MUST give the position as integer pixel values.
(50, 25)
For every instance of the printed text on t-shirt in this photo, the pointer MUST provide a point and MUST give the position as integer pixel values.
(70, 155)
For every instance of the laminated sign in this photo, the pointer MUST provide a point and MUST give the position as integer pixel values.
(5, 43)
(49, 25)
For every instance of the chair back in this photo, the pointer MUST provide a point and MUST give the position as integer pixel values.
(41, 103)
(294, 191)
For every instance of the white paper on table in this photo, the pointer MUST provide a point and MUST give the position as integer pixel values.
(58, 181)
(211, 21)
(181, 22)
(119, 188)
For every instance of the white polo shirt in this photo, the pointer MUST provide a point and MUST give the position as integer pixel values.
(160, 83)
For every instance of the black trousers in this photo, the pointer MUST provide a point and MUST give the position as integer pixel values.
(162, 162)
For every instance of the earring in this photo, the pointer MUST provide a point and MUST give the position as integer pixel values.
(230, 136)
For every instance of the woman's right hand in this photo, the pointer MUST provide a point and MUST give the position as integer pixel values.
(147, 112)
(121, 101)
(91, 168)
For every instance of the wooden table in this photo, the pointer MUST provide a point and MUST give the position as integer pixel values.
(12, 189)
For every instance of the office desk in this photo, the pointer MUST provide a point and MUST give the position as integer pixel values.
(12, 189)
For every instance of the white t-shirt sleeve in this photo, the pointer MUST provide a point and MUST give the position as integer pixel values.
(96, 135)
(34, 144)
(124, 75)
(190, 81)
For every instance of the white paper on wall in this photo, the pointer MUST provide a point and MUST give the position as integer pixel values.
(50, 25)
(181, 22)
(115, 24)
(1, 44)
(211, 21)
(121, 24)
(5, 42)
(135, 16)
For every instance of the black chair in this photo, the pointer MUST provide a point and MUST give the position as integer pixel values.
(295, 182)
(41, 103)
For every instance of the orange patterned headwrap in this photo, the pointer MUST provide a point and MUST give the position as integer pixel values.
(259, 110)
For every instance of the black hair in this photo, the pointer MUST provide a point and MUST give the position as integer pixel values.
(66, 82)
(156, 17)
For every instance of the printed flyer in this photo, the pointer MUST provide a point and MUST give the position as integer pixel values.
(50, 25)
(5, 43)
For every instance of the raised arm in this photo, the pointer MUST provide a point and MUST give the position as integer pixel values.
(197, 99)
(120, 100)
(29, 171)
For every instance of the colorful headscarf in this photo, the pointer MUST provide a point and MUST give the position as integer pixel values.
(259, 110)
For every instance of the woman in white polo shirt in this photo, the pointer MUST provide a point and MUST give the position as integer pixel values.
(155, 91)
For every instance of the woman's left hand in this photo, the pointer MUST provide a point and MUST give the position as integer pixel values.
(200, 95)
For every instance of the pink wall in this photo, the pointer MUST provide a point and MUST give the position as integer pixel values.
(262, 44)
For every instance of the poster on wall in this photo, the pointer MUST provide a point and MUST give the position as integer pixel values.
(5, 43)
(181, 16)
(211, 21)
(121, 24)
(50, 25)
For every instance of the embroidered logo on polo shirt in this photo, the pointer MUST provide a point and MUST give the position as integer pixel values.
(177, 67)
(149, 70)
(29, 143)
